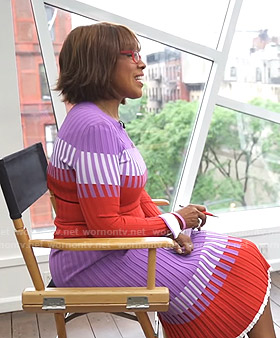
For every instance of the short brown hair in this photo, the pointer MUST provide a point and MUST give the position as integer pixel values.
(87, 60)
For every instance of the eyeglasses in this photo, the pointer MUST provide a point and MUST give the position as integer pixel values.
(136, 57)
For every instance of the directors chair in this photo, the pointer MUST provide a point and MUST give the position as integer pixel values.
(23, 181)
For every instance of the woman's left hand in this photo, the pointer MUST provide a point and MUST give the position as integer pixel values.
(183, 244)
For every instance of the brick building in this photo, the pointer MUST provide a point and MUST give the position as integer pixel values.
(38, 123)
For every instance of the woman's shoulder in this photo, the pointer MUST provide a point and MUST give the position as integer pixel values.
(86, 126)
(82, 117)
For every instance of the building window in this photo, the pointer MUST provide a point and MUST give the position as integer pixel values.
(50, 135)
(45, 92)
(258, 74)
(233, 71)
(51, 15)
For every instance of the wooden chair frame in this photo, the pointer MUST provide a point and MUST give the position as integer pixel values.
(31, 162)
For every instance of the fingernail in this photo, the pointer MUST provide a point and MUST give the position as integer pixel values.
(179, 251)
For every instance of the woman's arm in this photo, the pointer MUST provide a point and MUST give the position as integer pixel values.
(148, 206)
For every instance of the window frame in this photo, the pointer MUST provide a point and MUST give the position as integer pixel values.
(218, 57)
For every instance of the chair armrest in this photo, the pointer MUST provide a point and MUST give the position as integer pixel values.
(123, 243)
(160, 201)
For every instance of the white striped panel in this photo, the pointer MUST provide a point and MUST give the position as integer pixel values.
(90, 170)
(202, 275)
(114, 171)
(186, 298)
(136, 161)
(211, 255)
(66, 153)
(199, 282)
(55, 152)
(104, 165)
(69, 155)
(83, 171)
(63, 154)
(114, 159)
(182, 304)
(216, 238)
(192, 295)
(134, 169)
(195, 287)
(218, 244)
(134, 153)
(137, 169)
(178, 309)
(220, 252)
(213, 266)
(62, 151)
(72, 154)
(204, 267)
(78, 172)
(59, 148)
(92, 161)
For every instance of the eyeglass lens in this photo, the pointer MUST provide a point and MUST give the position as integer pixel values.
(136, 57)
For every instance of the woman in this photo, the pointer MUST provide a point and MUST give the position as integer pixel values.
(219, 285)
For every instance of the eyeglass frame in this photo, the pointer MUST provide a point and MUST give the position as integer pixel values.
(132, 53)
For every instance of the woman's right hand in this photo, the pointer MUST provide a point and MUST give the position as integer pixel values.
(193, 215)
(183, 244)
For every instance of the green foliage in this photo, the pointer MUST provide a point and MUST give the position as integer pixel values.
(237, 148)
(161, 139)
(130, 110)
(133, 109)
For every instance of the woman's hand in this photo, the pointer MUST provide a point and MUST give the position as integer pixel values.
(193, 215)
(183, 244)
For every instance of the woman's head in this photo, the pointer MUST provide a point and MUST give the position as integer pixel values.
(88, 58)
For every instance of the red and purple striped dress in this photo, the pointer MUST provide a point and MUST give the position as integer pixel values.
(98, 178)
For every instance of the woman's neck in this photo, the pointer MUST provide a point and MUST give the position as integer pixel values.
(110, 108)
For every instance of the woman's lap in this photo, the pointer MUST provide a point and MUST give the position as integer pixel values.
(207, 288)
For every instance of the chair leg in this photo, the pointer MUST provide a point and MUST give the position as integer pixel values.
(60, 325)
(146, 324)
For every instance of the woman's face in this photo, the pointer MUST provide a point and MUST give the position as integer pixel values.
(128, 76)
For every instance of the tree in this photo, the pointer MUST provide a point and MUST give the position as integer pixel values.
(235, 158)
(133, 109)
(238, 150)
(161, 139)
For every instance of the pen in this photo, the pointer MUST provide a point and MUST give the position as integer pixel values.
(209, 214)
(205, 212)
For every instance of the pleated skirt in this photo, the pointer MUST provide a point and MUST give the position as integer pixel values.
(218, 291)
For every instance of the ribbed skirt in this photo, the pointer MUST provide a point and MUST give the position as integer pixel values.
(219, 290)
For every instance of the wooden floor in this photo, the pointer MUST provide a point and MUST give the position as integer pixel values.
(98, 325)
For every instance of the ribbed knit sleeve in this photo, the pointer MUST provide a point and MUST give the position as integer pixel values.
(148, 206)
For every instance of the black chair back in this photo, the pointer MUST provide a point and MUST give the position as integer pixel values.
(23, 178)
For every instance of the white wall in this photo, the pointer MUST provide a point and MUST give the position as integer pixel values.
(13, 273)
